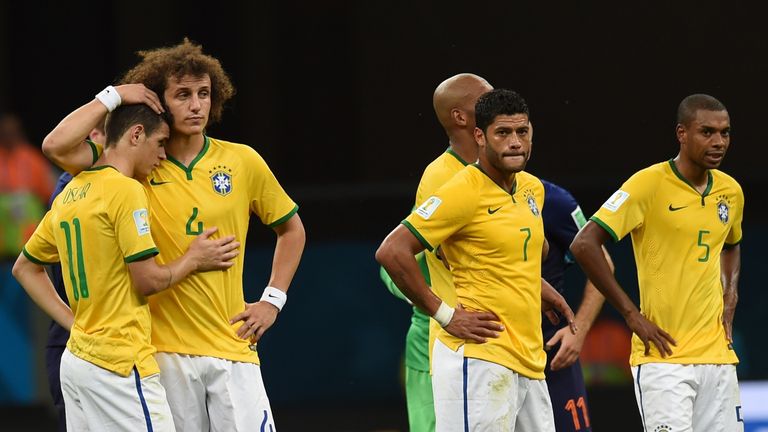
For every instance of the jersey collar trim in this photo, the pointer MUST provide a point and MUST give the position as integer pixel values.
(100, 167)
(514, 186)
(188, 170)
(679, 175)
(456, 155)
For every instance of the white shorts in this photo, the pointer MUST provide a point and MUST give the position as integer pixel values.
(209, 393)
(688, 398)
(476, 395)
(96, 399)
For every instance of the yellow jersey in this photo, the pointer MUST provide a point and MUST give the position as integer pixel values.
(436, 174)
(677, 236)
(221, 187)
(493, 240)
(96, 225)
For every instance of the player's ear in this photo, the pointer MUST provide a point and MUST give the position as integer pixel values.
(136, 132)
(479, 136)
(459, 117)
(680, 132)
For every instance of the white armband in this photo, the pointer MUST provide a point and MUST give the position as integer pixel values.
(110, 98)
(274, 296)
(444, 314)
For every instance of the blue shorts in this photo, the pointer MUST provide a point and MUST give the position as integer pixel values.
(568, 395)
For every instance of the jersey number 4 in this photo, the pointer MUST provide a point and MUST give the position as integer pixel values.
(199, 227)
(81, 289)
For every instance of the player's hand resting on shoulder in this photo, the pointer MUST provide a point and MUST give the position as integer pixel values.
(474, 326)
(257, 318)
(213, 254)
(648, 332)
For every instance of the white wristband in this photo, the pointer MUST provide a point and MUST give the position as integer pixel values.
(110, 98)
(444, 314)
(274, 296)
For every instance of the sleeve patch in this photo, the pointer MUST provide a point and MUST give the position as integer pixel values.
(428, 208)
(141, 219)
(578, 217)
(616, 200)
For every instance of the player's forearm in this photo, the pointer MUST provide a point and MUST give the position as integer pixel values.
(402, 267)
(65, 144)
(390, 284)
(730, 267)
(39, 288)
(590, 256)
(590, 307)
(288, 250)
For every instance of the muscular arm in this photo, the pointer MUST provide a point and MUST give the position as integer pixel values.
(35, 281)
(203, 254)
(397, 255)
(588, 251)
(259, 316)
(65, 145)
(730, 266)
(570, 343)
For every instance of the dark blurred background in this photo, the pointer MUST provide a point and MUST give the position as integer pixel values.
(336, 96)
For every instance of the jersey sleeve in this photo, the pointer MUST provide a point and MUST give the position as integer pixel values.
(563, 217)
(267, 198)
(129, 211)
(734, 235)
(625, 209)
(443, 213)
(41, 247)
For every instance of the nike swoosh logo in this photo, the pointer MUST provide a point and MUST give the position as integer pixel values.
(157, 183)
(272, 295)
(676, 208)
(494, 210)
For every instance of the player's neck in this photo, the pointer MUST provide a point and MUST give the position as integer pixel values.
(505, 181)
(185, 148)
(464, 146)
(696, 175)
(116, 159)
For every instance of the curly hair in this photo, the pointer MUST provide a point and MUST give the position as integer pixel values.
(186, 58)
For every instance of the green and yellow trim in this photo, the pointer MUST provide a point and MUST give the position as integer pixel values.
(679, 175)
(285, 218)
(418, 235)
(456, 155)
(188, 170)
(33, 259)
(605, 226)
(141, 255)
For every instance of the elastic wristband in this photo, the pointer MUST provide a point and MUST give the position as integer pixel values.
(274, 296)
(444, 314)
(110, 98)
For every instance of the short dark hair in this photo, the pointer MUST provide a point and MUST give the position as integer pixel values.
(686, 111)
(187, 58)
(498, 102)
(125, 116)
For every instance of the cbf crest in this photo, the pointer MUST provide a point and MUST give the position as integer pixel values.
(723, 208)
(221, 180)
(531, 200)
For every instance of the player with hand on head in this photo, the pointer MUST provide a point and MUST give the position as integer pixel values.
(98, 227)
(684, 216)
(488, 361)
(58, 335)
(203, 332)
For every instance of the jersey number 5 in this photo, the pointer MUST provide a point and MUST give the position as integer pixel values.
(82, 289)
(701, 243)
